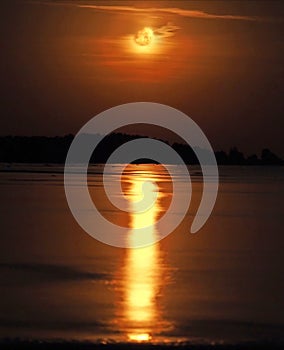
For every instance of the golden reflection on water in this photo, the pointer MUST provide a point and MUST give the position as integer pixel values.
(143, 268)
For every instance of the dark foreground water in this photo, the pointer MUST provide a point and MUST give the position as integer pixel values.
(220, 288)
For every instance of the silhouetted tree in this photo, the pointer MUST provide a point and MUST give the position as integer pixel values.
(236, 157)
(222, 157)
(269, 158)
(253, 160)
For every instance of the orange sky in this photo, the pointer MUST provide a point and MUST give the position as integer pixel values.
(221, 62)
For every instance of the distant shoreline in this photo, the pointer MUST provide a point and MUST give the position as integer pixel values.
(53, 150)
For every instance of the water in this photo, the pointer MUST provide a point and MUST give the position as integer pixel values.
(221, 285)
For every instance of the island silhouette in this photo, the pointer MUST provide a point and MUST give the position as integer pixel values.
(43, 149)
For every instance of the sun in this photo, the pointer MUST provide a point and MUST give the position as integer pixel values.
(144, 37)
(145, 42)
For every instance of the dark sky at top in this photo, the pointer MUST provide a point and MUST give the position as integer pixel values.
(221, 62)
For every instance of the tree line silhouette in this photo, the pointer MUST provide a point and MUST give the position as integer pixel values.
(41, 149)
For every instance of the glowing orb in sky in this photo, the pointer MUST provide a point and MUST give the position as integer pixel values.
(144, 37)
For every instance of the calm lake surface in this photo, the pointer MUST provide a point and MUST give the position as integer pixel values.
(222, 285)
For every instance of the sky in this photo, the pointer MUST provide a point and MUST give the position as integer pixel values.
(220, 62)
